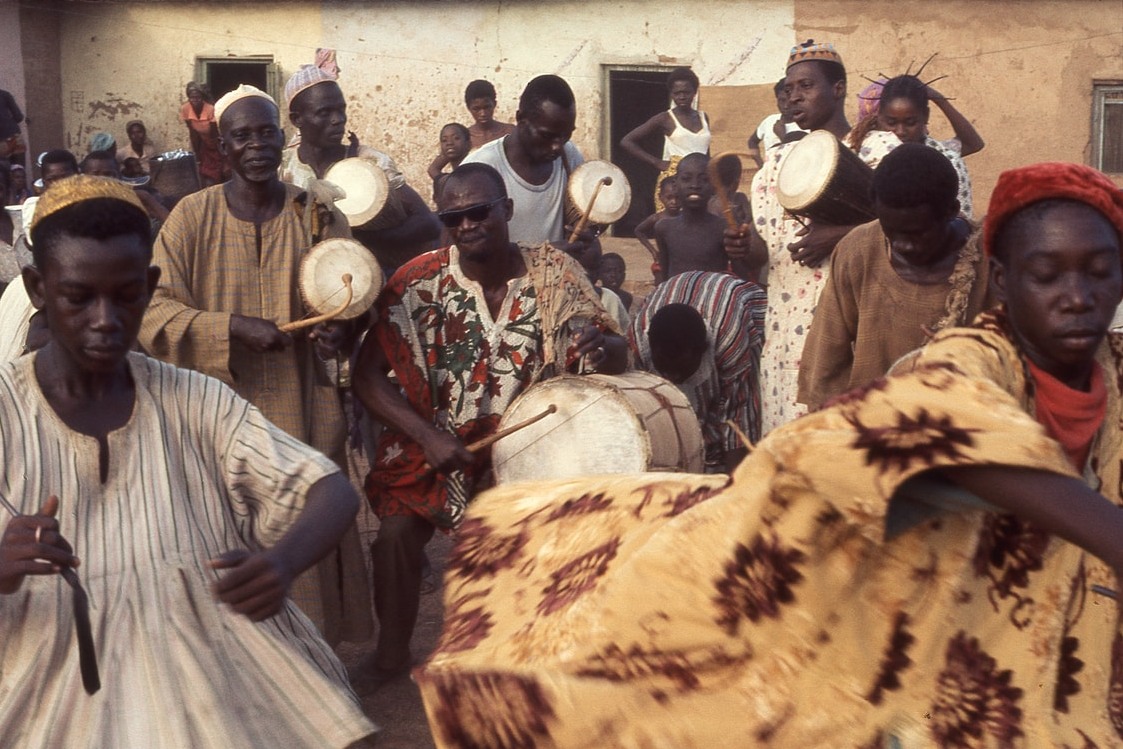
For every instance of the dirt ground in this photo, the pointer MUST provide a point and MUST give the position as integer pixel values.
(396, 707)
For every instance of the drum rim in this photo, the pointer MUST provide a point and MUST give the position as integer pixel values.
(788, 201)
(618, 177)
(370, 167)
(357, 307)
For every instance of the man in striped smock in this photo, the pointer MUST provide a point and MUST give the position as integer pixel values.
(190, 512)
(703, 331)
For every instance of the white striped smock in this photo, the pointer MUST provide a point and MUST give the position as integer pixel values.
(195, 472)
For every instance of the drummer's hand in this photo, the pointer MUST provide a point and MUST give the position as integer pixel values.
(445, 453)
(817, 243)
(590, 343)
(738, 241)
(21, 554)
(585, 249)
(330, 338)
(256, 585)
(258, 335)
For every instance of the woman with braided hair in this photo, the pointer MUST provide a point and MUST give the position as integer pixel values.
(903, 109)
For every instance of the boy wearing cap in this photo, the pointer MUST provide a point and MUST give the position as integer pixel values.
(189, 511)
(230, 256)
(933, 562)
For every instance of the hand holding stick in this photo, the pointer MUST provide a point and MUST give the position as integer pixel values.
(491, 439)
(589, 209)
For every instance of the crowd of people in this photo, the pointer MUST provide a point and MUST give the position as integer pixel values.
(909, 531)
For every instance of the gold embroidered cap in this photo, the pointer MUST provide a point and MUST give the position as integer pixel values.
(79, 188)
(812, 50)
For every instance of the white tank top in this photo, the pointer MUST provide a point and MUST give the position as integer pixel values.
(682, 141)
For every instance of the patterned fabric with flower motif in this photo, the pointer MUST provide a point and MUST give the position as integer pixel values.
(769, 609)
(461, 369)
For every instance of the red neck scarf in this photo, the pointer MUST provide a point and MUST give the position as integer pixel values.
(1072, 417)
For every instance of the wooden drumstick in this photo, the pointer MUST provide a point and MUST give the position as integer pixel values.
(589, 209)
(491, 439)
(310, 321)
(719, 187)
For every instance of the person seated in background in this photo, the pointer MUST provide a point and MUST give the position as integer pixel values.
(896, 281)
(931, 562)
(104, 164)
(18, 189)
(645, 230)
(695, 239)
(405, 227)
(138, 147)
(455, 142)
(480, 98)
(703, 331)
(611, 273)
(191, 513)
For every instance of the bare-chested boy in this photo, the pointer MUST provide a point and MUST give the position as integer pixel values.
(694, 240)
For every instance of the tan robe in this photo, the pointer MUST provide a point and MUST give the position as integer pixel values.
(868, 317)
(214, 266)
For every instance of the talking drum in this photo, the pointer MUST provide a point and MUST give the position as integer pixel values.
(339, 280)
(822, 180)
(627, 423)
(175, 174)
(601, 192)
(368, 199)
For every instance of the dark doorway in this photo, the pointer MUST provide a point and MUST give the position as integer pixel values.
(223, 77)
(635, 95)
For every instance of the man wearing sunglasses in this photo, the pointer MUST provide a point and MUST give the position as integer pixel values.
(465, 330)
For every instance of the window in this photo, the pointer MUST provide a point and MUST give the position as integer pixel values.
(1107, 127)
(224, 74)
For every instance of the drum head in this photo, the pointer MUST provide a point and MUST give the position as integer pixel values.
(807, 170)
(321, 274)
(365, 185)
(613, 200)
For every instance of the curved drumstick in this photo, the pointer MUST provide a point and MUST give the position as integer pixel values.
(719, 187)
(491, 439)
(310, 321)
(589, 209)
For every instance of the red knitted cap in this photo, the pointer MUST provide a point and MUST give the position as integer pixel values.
(1018, 188)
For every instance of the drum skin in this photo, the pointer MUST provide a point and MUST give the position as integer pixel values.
(321, 273)
(612, 201)
(369, 202)
(823, 180)
(629, 423)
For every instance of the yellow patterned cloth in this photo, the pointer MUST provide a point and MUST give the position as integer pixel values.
(795, 604)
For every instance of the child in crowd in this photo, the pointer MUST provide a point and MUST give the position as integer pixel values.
(455, 143)
(646, 228)
(694, 239)
(729, 173)
(18, 190)
(612, 272)
(480, 99)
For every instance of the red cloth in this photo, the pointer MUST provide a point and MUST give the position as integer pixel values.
(1017, 188)
(1072, 417)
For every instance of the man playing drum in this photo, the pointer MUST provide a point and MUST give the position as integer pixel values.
(465, 329)
(230, 256)
(816, 89)
(535, 162)
(896, 281)
(703, 331)
(406, 227)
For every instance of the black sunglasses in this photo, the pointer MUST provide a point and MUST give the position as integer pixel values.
(474, 213)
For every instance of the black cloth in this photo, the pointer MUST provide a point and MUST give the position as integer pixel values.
(10, 115)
